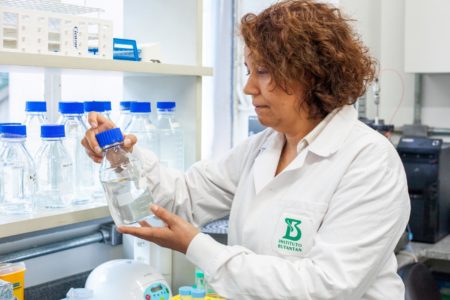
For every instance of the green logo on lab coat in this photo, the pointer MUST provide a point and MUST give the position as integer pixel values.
(293, 232)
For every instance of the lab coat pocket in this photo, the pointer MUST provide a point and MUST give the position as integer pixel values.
(295, 230)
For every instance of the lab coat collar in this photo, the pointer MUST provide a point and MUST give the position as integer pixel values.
(334, 134)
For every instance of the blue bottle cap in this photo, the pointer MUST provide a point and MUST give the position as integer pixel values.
(125, 105)
(109, 137)
(13, 130)
(140, 107)
(97, 106)
(198, 293)
(36, 106)
(71, 107)
(184, 290)
(52, 131)
(107, 105)
(166, 105)
(7, 124)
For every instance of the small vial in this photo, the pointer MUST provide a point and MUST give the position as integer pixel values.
(198, 294)
(199, 279)
(185, 293)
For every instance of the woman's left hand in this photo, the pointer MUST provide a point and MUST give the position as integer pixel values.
(176, 235)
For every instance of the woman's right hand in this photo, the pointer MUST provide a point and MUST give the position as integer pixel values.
(100, 123)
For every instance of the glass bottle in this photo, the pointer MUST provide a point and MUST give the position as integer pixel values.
(107, 105)
(198, 294)
(54, 169)
(97, 106)
(142, 127)
(17, 172)
(36, 115)
(126, 189)
(171, 142)
(83, 166)
(125, 114)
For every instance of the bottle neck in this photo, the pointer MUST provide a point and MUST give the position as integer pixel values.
(52, 139)
(13, 140)
(112, 146)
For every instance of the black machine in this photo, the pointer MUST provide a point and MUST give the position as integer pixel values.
(427, 166)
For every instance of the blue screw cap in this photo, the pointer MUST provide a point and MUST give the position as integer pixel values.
(13, 130)
(36, 106)
(165, 105)
(71, 107)
(109, 137)
(97, 106)
(52, 131)
(140, 107)
(125, 105)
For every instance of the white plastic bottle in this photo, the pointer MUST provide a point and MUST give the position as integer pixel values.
(125, 114)
(171, 142)
(54, 169)
(126, 189)
(17, 172)
(83, 167)
(36, 115)
(142, 127)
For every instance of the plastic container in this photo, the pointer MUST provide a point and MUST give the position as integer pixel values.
(36, 115)
(54, 169)
(126, 189)
(17, 172)
(6, 290)
(83, 167)
(198, 294)
(171, 141)
(199, 279)
(142, 127)
(185, 293)
(125, 114)
(14, 273)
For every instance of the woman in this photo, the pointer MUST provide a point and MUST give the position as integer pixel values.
(317, 201)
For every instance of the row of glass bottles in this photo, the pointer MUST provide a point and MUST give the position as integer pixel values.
(27, 184)
(83, 185)
(165, 139)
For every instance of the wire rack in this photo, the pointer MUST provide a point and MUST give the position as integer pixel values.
(51, 6)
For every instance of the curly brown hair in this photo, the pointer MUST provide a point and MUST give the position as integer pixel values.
(311, 43)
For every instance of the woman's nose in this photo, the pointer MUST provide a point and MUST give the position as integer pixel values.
(250, 87)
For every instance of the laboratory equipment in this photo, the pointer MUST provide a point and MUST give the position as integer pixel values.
(127, 279)
(54, 169)
(14, 273)
(171, 140)
(185, 293)
(83, 166)
(17, 172)
(125, 185)
(125, 114)
(198, 294)
(97, 106)
(427, 167)
(36, 115)
(142, 127)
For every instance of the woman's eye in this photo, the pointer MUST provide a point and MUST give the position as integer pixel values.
(261, 71)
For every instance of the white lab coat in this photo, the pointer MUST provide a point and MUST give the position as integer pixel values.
(324, 228)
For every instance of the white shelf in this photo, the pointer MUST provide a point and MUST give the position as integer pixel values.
(10, 61)
(14, 225)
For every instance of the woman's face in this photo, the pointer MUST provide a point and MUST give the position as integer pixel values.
(274, 107)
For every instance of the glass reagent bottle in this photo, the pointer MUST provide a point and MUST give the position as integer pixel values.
(126, 188)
